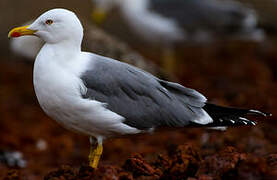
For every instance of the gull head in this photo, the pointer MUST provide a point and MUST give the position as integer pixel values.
(53, 26)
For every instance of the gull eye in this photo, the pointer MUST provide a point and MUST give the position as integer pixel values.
(49, 22)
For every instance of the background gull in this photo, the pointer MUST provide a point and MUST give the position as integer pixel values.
(102, 97)
(266, 10)
(166, 22)
(200, 25)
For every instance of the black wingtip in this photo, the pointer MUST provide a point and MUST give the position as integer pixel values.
(256, 112)
(226, 116)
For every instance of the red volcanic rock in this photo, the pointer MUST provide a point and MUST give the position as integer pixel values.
(241, 76)
(65, 172)
(252, 167)
(220, 164)
(230, 164)
(105, 172)
(184, 162)
(272, 163)
(139, 167)
(205, 177)
(13, 175)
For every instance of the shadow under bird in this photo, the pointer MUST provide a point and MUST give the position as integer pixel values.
(102, 98)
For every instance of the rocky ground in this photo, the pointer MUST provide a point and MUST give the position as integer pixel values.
(237, 74)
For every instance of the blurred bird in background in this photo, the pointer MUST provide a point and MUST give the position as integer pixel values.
(167, 22)
(266, 10)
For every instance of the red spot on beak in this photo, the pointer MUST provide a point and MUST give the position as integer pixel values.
(15, 34)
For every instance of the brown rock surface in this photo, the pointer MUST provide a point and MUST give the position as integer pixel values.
(185, 164)
(232, 74)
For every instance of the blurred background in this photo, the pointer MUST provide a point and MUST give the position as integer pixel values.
(227, 50)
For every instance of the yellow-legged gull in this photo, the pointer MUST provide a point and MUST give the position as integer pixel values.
(101, 97)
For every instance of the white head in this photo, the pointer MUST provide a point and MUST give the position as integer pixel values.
(53, 26)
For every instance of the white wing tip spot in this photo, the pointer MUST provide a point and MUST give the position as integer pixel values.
(232, 121)
(259, 112)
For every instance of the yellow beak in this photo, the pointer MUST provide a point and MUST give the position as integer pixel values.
(98, 16)
(21, 31)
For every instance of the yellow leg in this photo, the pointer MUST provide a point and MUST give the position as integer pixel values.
(169, 61)
(91, 155)
(95, 151)
(95, 155)
(98, 16)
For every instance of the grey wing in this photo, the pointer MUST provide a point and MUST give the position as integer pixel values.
(206, 14)
(142, 99)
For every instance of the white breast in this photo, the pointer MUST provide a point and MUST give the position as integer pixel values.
(59, 92)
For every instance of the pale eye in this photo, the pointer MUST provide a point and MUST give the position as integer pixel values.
(49, 22)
